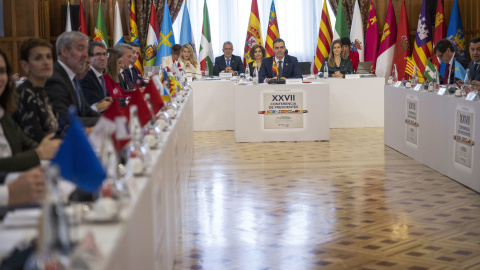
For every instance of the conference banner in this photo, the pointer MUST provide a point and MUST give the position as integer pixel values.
(464, 137)
(283, 109)
(411, 121)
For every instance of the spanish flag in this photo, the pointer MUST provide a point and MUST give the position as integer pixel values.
(422, 50)
(274, 67)
(134, 37)
(254, 33)
(324, 39)
(273, 32)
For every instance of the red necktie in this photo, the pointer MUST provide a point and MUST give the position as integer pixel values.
(446, 75)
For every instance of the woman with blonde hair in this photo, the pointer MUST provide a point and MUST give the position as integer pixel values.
(338, 63)
(188, 62)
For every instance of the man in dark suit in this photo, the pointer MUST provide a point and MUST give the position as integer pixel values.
(124, 78)
(93, 84)
(132, 73)
(63, 88)
(287, 65)
(445, 52)
(474, 66)
(228, 62)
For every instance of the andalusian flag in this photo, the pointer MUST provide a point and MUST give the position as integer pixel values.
(383, 66)
(429, 71)
(273, 32)
(254, 33)
(166, 38)
(100, 33)
(422, 50)
(206, 51)
(274, 67)
(341, 26)
(324, 39)
(134, 37)
(152, 40)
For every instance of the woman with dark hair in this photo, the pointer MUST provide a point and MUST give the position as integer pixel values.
(169, 61)
(257, 53)
(17, 151)
(35, 115)
(338, 63)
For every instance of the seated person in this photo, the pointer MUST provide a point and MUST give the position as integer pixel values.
(287, 65)
(474, 66)
(34, 112)
(337, 62)
(126, 52)
(23, 188)
(112, 72)
(63, 88)
(257, 54)
(445, 52)
(352, 55)
(169, 61)
(188, 62)
(228, 62)
(17, 151)
(131, 70)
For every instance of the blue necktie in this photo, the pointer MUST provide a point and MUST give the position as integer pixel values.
(103, 85)
(228, 62)
(77, 89)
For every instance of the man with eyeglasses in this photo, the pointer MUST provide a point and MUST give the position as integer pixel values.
(445, 52)
(93, 84)
(474, 66)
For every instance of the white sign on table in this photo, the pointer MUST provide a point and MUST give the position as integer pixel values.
(464, 138)
(283, 109)
(411, 121)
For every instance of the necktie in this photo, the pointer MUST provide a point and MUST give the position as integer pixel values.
(475, 71)
(77, 89)
(104, 88)
(228, 62)
(280, 69)
(446, 75)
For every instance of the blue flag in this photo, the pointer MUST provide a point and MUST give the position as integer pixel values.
(460, 72)
(76, 159)
(455, 33)
(186, 34)
(166, 39)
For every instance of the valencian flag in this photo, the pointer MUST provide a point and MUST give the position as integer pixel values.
(341, 26)
(152, 39)
(272, 32)
(134, 37)
(356, 33)
(254, 33)
(274, 67)
(186, 34)
(371, 38)
(166, 39)
(83, 23)
(402, 47)
(206, 51)
(422, 50)
(383, 66)
(440, 31)
(117, 27)
(100, 33)
(324, 39)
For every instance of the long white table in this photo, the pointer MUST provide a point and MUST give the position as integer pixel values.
(354, 103)
(251, 126)
(437, 125)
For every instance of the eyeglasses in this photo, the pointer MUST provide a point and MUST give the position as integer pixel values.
(101, 54)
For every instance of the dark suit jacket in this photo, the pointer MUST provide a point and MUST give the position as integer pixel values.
(3, 175)
(290, 68)
(252, 68)
(23, 156)
(91, 88)
(133, 80)
(344, 68)
(462, 61)
(122, 82)
(474, 76)
(235, 63)
(62, 95)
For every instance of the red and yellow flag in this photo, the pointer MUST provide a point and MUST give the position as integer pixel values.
(402, 46)
(134, 38)
(274, 67)
(409, 66)
(81, 16)
(422, 50)
(324, 39)
(254, 33)
(272, 32)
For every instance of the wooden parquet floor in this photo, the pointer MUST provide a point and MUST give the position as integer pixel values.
(351, 203)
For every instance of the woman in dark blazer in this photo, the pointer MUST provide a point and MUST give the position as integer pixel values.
(338, 64)
(17, 151)
(257, 53)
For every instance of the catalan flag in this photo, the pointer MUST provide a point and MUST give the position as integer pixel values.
(409, 66)
(134, 37)
(324, 39)
(100, 33)
(254, 33)
(274, 67)
(422, 50)
(440, 31)
(273, 32)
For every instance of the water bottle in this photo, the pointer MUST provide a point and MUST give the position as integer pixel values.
(325, 71)
(207, 73)
(467, 83)
(414, 77)
(255, 76)
(247, 72)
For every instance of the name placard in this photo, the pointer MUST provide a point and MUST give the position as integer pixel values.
(472, 96)
(352, 76)
(293, 81)
(418, 87)
(398, 84)
(189, 79)
(225, 75)
(443, 92)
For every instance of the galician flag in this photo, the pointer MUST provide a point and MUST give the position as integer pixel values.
(166, 39)
(324, 39)
(206, 51)
(68, 23)
(429, 71)
(254, 33)
(422, 49)
(100, 33)
(371, 38)
(134, 37)
(117, 27)
(341, 26)
(383, 67)
(83, 23)
(152, 39)
(272, 32)
(186, 34)
(356, 33)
